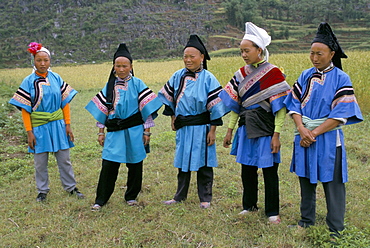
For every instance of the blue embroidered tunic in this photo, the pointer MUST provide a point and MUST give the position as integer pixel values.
(46, 95)
(130, 97)
(317, 95)
(198, 95)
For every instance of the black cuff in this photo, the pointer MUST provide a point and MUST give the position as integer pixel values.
(168, 111)
(217, 122)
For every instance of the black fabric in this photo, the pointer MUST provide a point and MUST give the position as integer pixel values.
(182, 83)
(110, 90)
(192, 120)
(196, 42)
(326, 36)
(168, 111)
(122, 51)
(217, 122)
(204, 183)
(249, 177)
(258, 122)
(340, 92)
(108, 178)
(117, 124)
(335, 196)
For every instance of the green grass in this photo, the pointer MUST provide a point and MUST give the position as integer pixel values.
(64, 221)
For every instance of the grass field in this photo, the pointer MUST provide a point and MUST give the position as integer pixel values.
(64, 221)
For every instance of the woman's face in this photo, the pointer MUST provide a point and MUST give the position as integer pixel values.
(321, 56)
(122, 66)
(42, 62)
(192, 58)
(250, 53)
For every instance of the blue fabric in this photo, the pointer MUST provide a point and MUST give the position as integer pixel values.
(125, 146)
(317, 161)
(192, 151)
(256, 151)
(54, 94)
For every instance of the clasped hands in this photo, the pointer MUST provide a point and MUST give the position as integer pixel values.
(307, 136)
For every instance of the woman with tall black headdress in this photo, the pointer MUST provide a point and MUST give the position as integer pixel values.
(126, 107)
(191, 99)
(321, 101)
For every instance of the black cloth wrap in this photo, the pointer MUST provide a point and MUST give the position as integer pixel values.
(258, 122)
(117, 124)
(192, 120)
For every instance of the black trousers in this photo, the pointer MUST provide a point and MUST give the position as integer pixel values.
(108, 178)
(335, 195)
(250, 188)
(204, 183)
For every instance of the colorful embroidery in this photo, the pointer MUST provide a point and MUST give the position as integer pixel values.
(146, 96)
(65, 90)
(22, 97)
(39, 91)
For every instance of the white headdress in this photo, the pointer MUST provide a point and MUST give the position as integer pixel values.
(257, 35)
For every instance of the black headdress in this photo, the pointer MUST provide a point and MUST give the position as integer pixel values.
(122, 51)
(326, 36)
(195, 41)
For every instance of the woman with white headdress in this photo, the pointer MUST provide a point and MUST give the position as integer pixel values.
(44, 98)
(255, 96)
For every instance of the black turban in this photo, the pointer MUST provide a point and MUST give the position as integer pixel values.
(326, 36)
(195, 41)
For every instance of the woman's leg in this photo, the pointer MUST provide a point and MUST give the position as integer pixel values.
(67, 176)
(41, 172)
(271, 179)
(183, 182)
(250, 187)
(107, 181)
(134, 180)
(205, 182)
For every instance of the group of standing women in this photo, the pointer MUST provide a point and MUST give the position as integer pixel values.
(257, 97)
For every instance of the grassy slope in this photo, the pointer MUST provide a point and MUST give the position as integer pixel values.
(67, 222)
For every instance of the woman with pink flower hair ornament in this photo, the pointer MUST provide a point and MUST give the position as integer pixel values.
(43, 97)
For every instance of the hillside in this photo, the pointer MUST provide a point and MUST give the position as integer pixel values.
(83, 31)
(86, 31)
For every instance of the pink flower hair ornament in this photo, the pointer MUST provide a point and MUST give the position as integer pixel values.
(34, 47)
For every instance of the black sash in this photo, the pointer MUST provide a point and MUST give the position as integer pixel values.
(192, 120)
(117, 124)
(258, 122)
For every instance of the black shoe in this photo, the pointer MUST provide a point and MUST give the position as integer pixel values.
(41, 197)
(77, 193)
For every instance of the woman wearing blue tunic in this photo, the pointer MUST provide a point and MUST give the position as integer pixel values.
(126, 107)
(322, 100)
(191, 99)
(44, 100)
(255, 96)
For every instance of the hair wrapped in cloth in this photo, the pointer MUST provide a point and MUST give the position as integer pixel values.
(122, 51)
(326, 36)
(257, 35)
(35, 48)
(196, 42)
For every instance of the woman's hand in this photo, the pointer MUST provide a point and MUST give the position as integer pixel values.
(69, 132)
(228, 137)
(146, 139)
(275, 143)
(101, 138)
(31, 140)
(307, 137)
(146, 136)
(173, 118)
(211, 136)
